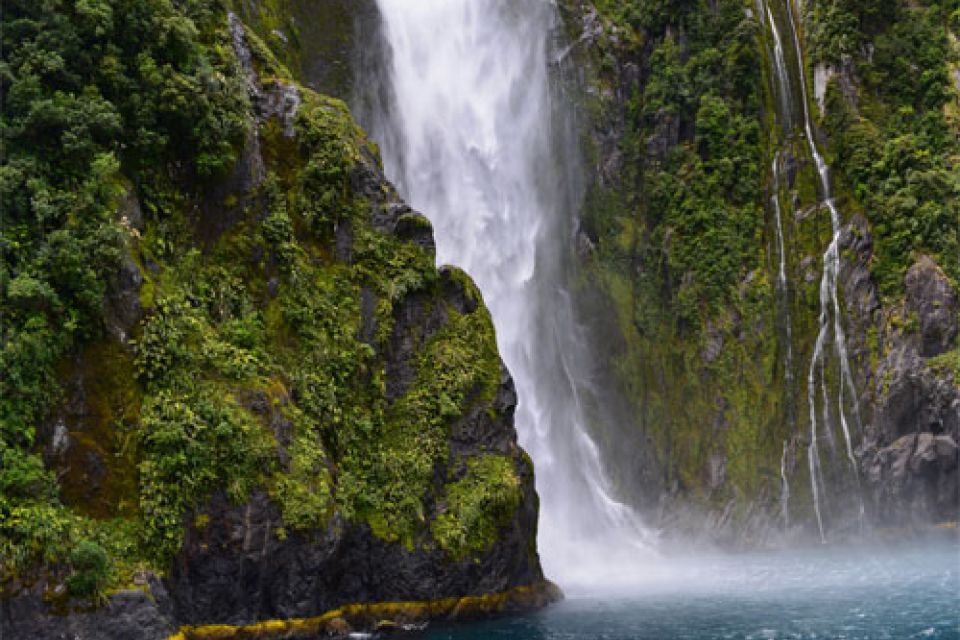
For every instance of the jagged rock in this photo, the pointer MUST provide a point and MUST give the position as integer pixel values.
(931, 297)
(713, 343)
(238, 563)
(912, 398)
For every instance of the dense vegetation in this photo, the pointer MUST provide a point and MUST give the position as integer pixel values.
(682, 234)
(895, 147)
(692, 150)
(98, 96)
(266, 300)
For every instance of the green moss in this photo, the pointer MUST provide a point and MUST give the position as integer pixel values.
(387, 479)
(477, 506)
(947, 364)
(304, 489)
(105, 431)
(385, 616)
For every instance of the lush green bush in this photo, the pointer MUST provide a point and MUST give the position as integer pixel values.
(895, 150)
(91, 570)
(698, 206)
(98, 96)
(478, 505)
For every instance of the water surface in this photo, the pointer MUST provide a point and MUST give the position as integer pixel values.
(872, 593)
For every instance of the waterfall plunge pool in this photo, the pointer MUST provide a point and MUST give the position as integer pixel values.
(854, 593)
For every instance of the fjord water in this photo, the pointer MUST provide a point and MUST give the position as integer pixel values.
(473, 138)
(866, 593)
(474, 135)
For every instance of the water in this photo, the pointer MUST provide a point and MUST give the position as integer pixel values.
(850, 593)
(829, 300)
(474, 138)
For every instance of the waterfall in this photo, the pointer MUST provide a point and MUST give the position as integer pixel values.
(829, 301)
(782, 268)
(476, 139)
(784, 488)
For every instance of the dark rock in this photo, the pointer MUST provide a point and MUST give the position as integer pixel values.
(914, 480)
(585, 246)
(128, 615)
(343, 242)
(415, 228)
(368, 315)
(716, 471)
(238, 570)
(665, 137)
(931, 297)
(281, 101)
(129, 209)
(485, 431)
(911, 397)
(712, 343)
(122, 310)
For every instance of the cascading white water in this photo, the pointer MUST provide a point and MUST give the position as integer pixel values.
(829, 302)
(784, 487)
(782, 270)
(787, 120)
(783, 78)
(472, 142)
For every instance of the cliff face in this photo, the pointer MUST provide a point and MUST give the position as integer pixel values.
(703, 186)
(272, 404)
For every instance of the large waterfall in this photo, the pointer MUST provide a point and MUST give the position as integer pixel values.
(472, 135)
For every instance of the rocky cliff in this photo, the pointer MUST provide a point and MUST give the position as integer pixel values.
(237, 391)
(703, 238)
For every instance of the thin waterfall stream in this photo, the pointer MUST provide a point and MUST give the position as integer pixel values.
(471, 140)
(829, 299)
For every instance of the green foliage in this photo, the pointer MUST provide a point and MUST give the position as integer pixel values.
(190, 445)
(260, 361)
(477, 506)
(98, 95)
(91, 570)
(304, 489)
(896, 151)
(328, 132)
(834, 31)
(947, 363)
(694, 153)
(387, 469)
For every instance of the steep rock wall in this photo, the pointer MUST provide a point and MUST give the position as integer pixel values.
(679, 254)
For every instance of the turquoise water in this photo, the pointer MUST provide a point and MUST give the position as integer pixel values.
(876, 593)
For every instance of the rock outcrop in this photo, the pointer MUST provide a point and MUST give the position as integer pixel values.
(242, 557)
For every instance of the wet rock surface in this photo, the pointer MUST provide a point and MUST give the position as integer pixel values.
(909, 452)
